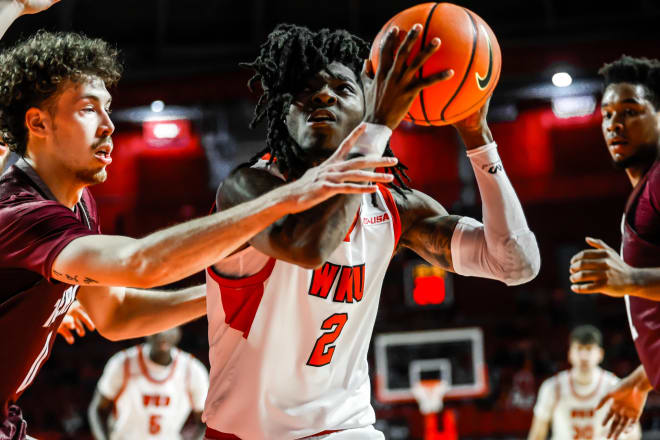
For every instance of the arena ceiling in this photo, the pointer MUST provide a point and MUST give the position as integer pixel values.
(170, 38)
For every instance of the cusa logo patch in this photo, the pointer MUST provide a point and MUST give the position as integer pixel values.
(375, 219)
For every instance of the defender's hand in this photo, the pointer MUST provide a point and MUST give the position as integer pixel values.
(75, 319)
(34, 6)
(628, 399)
(338, 176)
(601, 270)
(390, 92)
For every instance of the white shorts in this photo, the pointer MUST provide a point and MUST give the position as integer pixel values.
(366, 433)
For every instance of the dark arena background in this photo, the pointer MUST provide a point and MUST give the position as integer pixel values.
(181, 60)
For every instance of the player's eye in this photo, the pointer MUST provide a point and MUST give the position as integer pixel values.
(346, 88)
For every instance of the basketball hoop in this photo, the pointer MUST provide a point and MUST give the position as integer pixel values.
(429, 394)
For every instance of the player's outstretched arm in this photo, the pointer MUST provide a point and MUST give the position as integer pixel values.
(179, 251)
(10, 10)
(306, 238)
(628, 400)
(503, 247)
(602, 270)
(124, 313)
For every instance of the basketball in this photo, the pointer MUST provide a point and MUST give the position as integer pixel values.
(468, 45)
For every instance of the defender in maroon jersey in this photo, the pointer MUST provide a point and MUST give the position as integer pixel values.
(54, 113)
(631, 128)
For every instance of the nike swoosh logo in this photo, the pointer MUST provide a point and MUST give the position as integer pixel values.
(482, 82)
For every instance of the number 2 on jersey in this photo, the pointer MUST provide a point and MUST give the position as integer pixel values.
(323, 351)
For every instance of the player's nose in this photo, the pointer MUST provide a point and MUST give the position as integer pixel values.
(324, 96)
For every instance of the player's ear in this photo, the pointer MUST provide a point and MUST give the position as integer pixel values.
(37, 122)
(601, 354)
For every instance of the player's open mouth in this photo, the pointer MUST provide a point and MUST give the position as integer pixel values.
(321, 116)
(617, 145)
(103, 154)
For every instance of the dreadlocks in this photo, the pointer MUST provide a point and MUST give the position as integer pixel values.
(290, 55)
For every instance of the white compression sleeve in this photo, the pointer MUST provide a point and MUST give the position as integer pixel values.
(503, 247)
(373, 141)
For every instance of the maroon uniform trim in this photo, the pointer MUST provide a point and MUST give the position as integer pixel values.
(644, 251)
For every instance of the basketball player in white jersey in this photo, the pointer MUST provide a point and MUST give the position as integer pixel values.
(292, 312)
(148, 392)
(568, 400)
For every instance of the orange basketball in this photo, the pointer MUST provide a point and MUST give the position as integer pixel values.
(468, 45)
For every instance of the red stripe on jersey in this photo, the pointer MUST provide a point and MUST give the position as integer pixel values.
(586, 396)
(241, 297)
(145, 370)
(391, 205)
(355, 220)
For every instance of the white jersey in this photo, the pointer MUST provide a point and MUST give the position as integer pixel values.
(288, 345)
(152, 401)
(571, 406)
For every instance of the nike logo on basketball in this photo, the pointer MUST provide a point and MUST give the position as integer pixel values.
(482, 82)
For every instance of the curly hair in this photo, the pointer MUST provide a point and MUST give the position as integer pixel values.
(33, 70)
(291, 54)
(643, 71)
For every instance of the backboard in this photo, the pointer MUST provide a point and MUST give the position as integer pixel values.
(455, 356)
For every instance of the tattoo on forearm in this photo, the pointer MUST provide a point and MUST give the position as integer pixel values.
(74, 278)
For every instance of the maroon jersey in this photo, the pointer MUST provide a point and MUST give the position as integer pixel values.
(34, 228)
(641, 248)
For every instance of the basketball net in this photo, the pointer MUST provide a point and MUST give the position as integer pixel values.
(429, 395)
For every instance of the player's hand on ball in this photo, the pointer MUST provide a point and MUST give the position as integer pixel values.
(601, 270)
(338, 176)
(75, 319)
(390, 90)
(628, 399)
(474, 128)
(34, 6)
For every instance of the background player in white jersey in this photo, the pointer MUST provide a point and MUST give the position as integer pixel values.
(291, 314)
(568, 400)
(148, 392)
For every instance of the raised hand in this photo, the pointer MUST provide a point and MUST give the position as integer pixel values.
(35, 6)
(75, 319)
(338, 176)
(601, 270)
(474, 129)
(391, 90)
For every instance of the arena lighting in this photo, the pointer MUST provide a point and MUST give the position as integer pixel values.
(573, 106)
(157, 106)
(166, 130)
(562, 79)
